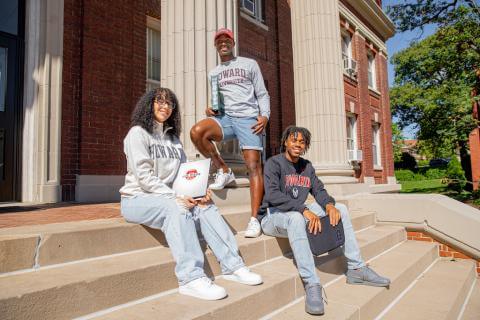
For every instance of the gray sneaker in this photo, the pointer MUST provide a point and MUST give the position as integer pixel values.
(313, 299)
(366, 276)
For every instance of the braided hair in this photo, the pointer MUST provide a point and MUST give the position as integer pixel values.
(143, 115)
(295, 131)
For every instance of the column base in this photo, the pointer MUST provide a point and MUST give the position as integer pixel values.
(335, 174)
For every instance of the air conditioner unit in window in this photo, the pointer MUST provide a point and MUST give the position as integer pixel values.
(346, 62)
(352, 68)
(355, 155)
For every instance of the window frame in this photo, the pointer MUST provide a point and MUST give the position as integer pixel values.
(352, 127)
(155, 25)
(371, 68)
(376, 151)
(259, 9)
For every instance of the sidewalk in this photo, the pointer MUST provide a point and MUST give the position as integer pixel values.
(19, 215)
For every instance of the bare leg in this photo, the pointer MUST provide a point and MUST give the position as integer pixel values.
(203, 134)
(253, 162)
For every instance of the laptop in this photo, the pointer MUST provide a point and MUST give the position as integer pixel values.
(330, 238)
(192, 178)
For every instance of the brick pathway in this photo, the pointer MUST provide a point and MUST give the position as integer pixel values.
(15, 216)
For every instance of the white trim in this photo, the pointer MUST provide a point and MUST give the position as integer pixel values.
(42, 102)
(361, 27)
(154, 23)
(245, 15)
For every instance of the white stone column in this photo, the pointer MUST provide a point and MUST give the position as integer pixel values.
(42, 101)
(319, 93)
(188, 53)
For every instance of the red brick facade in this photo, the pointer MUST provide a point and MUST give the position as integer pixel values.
(103, 76)
(474, 144)
(366, 103)
(444, 250)
(104, 72)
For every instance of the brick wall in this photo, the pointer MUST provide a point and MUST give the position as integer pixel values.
(367, 103)
(71, 95)
(272, 49)
(474, 144)
(444, 250)
(104, 74)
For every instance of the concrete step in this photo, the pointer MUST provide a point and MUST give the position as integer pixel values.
(472, 307)
(282, 285)
(438, 294)
(73, 289)
(402, 265)
(50, 244)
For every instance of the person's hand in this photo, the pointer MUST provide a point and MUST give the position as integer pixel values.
(314, 224)
(210, 112)
(260, 125)
(205, 200)
(333, 213)
(187, 202)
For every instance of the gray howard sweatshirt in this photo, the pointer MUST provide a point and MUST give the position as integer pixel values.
(152, 161)
(241, 88)
(288, 184)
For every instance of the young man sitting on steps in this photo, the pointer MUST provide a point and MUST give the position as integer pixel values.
(289, 179)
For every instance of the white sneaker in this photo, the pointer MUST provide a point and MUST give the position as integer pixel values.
(253, 228)
(203, 288)
(222, 179)
(245, 276)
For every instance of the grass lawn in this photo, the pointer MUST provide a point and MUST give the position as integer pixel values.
(423, 186)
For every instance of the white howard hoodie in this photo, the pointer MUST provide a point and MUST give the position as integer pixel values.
(152, 161)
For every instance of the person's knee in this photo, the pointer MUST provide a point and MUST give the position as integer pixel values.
(343, 209)
(296, 220)
(254, 167)
(196, 133)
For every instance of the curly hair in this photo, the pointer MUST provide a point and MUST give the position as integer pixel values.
(295, 130)
(143, 115)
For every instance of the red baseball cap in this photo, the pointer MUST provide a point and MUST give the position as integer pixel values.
(224, 31)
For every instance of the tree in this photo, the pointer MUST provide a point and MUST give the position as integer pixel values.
(410, 15)
(435, 77)
(397, 140)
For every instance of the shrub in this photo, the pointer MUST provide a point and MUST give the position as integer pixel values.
(456, 174)
(407, 162)
(422, 163)
(418, 177)
(435, 173)
(404, 175)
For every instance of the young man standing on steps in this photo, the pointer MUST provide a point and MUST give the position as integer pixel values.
(289, 179)
(241, 110)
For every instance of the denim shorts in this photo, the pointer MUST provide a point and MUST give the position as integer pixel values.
(240, 128)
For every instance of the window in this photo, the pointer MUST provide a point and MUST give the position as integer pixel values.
(349, 65)
(153, 53)
(255, 8)
(351, 132)
(372, 81)
(346, 48)
(376, 145)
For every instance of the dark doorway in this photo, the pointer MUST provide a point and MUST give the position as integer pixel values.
(11, 71)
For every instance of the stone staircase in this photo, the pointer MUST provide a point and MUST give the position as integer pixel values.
(109, 269)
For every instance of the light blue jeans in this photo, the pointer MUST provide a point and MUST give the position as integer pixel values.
(180, 228)
(292, 225)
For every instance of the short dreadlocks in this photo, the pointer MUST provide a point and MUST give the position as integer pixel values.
(293, 130)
